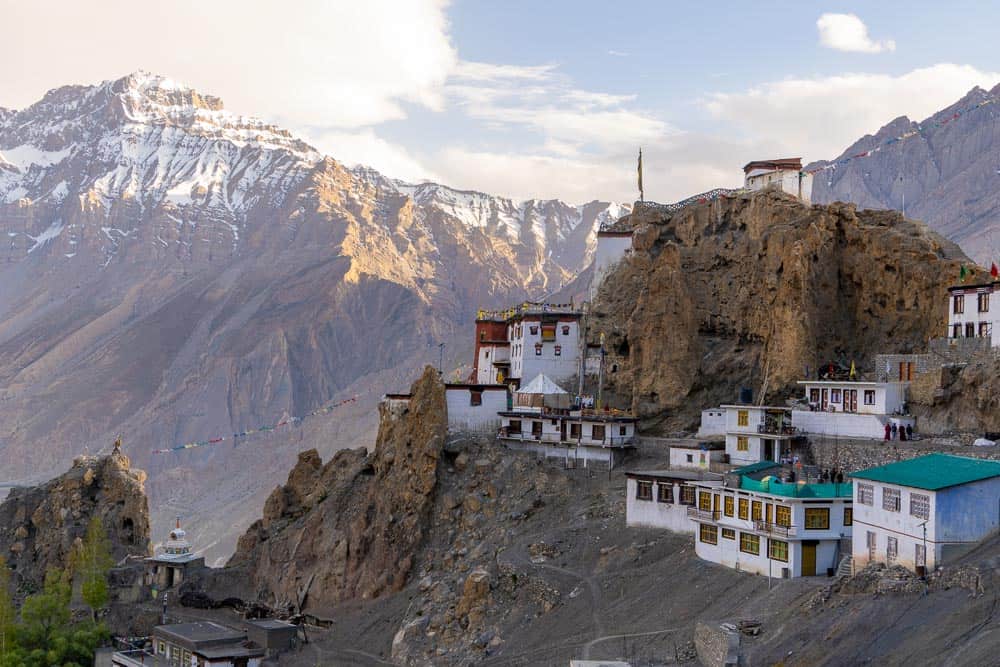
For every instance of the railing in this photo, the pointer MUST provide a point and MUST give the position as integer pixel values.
(705, 515)
(557, 439)
(773, 528)
(126, 658)
(777, 429)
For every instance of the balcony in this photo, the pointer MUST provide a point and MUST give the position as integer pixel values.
(777, 429)
(773, 528)
(703, 515)
(613, 441)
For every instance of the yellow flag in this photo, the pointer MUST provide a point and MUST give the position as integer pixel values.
(640, 173)
(853, 371)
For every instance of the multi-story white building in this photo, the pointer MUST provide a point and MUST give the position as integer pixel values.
(757, 433)
(772, 528)
(542, 419)
(852, 409)
(925, 511)
(784, 174)
(516, 345)
(660, 498)
(973, 312)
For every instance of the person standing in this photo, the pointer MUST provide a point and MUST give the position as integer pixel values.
(887, 431)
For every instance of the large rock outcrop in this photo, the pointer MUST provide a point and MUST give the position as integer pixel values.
(38, 525)
(756, 290)
(351, 528)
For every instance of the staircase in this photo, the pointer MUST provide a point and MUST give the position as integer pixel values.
(846, 567)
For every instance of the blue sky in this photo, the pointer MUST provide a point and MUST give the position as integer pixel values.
(534, 99)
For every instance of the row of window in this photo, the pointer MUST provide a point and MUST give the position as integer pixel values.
(816, 518)
(920, 503)
(982, 302)
(547, 331)
(970, 330)
(892, 549)
(597, 431)
(664, 492)
(847, 397)
(749, 542)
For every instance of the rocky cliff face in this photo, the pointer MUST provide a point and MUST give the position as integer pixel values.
(175, 272)
(351, 528)
(947, 175)
(39, 525)
(754, 290)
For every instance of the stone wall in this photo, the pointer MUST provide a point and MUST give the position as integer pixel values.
(716, 645)
(853, 455)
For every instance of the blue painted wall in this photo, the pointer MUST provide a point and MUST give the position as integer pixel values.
(969, 512)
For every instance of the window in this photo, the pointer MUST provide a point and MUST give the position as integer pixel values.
(984, 329)
(533, 330)
(574, 431)
(687, 495)
(814, 395)
(538, 349)
(515, 426)
(705, 501)
(565, 330)
(744, 508)
(768, 512)
(866, 494)
(984, 303)
(869, 397)
(970, 330)
(742, 418)
(890, 500)
(920, 505)
(690, 458)
(848, 516)
(558, 350)
(622, 430)
(548, 332)
(536, 428)
(817, 518)
(777, 550)
(643, 490)
(665, 492)
(750, 543)
(708, 534)
(783, 515)
(482, 336)
(728, 508)
(597, 432)
(835, 396)
(755, 510)
(729, 533)
(891, 550)
(475, 398)
(956, 330)
(959, 304)
(919, 555)
(742, 443)
(161, 648)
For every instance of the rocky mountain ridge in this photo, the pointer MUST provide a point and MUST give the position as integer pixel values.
(757, 289)
(947, 175)
(174, 272)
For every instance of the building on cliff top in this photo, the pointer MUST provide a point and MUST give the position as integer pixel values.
(854, 409)
(169, 567)
(925, 511)
(972, 313)
(754, 522)
(784, 174)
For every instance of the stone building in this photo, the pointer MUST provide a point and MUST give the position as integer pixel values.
(785, 174)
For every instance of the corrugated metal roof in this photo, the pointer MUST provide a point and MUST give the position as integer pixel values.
(933, 471)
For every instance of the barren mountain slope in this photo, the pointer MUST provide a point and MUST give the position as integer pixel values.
(177, 273)
(948, 175)
(756, 289)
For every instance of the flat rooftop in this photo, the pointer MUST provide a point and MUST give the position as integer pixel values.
(670, 473)
(932, 472)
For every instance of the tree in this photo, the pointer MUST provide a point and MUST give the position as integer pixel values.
(8, 616)
(92, 563)
(46, 612)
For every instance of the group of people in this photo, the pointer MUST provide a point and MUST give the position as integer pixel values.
(893, 430)
(832, 475)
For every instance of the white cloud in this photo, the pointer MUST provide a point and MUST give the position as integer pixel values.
(847, 32)
(365, 147)
(308, 62)
(818, 118)
(618, 54)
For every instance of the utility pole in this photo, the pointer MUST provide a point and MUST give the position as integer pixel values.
(441, 359)
(600, 378)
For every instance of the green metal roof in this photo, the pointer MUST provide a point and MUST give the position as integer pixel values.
(755, 467)
(796, 490)
(932, 472)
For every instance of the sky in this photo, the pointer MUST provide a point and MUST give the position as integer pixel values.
(531, 99)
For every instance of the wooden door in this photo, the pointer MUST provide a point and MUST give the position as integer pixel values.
(850, 400)
(826, 396)
(808, 558)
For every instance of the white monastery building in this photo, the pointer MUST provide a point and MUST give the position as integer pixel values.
(852, 409)
(612, 246)
(543, 419)
(925, 511)
(973, 312)
(661, 498)
(474, 408)
(757, 433)
(785, 174)
(773, 528)
(517, 345)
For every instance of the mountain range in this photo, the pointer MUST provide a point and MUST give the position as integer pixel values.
(174, 273)
(946, 174)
